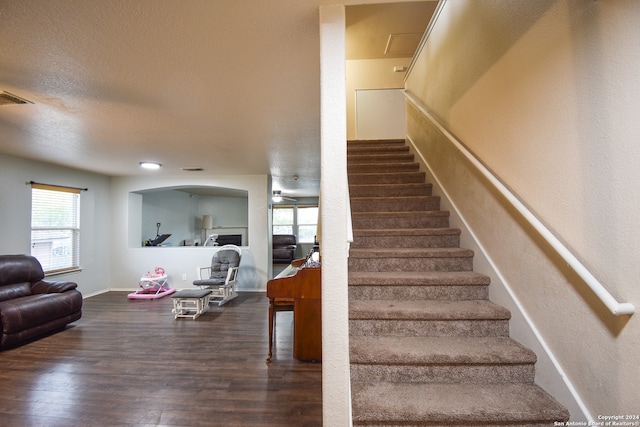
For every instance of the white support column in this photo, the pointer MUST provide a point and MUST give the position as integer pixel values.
(336, 383)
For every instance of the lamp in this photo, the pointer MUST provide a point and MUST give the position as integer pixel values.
(207, 222)
(277, 196)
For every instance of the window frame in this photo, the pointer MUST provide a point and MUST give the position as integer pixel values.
(295, 226)
(71, 228)
(300, 224)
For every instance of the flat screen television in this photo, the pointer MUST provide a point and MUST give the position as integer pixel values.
(229, 239)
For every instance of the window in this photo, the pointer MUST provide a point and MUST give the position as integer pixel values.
(55, 227)
(283, 220)
(299, 220)
(307, 224)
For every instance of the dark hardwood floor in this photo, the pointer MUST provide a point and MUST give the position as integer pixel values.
(129, 363)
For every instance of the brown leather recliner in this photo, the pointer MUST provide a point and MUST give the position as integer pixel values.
(284, 248)
(29, 306)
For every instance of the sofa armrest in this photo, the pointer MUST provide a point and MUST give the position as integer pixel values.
(43, 287)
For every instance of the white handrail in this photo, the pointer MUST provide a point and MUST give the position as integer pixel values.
(617, 308)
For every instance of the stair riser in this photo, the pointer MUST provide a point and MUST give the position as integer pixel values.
(443, 293)
(390, 190)
(369, 146)
(401, 142)
(408, 204)
(404, 241)
(429, 328)
(356, 153)
(381, 222)
(379, 158)
(463, 373)
(383, 167)
(386, 178)
(411, 264)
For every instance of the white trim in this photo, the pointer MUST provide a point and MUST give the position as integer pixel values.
(101, 291)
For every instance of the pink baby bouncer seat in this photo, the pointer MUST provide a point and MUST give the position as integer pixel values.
(153, 285)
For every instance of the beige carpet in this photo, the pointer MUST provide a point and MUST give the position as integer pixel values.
(427, 347)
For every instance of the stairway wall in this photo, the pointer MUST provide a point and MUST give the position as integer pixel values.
(492, 230)
(544, 93)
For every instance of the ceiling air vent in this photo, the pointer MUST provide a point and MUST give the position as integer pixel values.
(399, 45)
(7, 98)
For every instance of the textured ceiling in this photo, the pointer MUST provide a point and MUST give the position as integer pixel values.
(231, 86)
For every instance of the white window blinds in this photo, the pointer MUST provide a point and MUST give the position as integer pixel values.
(55, 227)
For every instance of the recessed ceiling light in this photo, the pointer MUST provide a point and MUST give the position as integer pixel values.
(150, 165)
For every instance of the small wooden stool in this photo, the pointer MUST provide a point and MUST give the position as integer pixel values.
(190, 302)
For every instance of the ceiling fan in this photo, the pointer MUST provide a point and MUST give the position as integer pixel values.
(277, 197)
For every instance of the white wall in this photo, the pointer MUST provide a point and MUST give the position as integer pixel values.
(380, 114)
(132, 262)
(546, 94)
(176, 213)
(370, 74)
(336, 381)
(15, 216)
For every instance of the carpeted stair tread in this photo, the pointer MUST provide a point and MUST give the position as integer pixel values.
(396, 199)
(426, 310)
(438, 350)
(441, 359)
(408, 253)
(434, 285)
(416, 219)
(386, 150)
(401, 189)
(423, 278)
(375, 143)
(442, 237)
(395, 204)
(439, 231)
(387, 178)
(414, 214)
(388, 404)
(381, 167)
(410, 259)
(361, 158)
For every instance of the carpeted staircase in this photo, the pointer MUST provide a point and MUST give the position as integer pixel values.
(427, 347)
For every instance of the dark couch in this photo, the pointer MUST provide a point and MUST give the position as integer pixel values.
(284, 248)
(29, 306)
